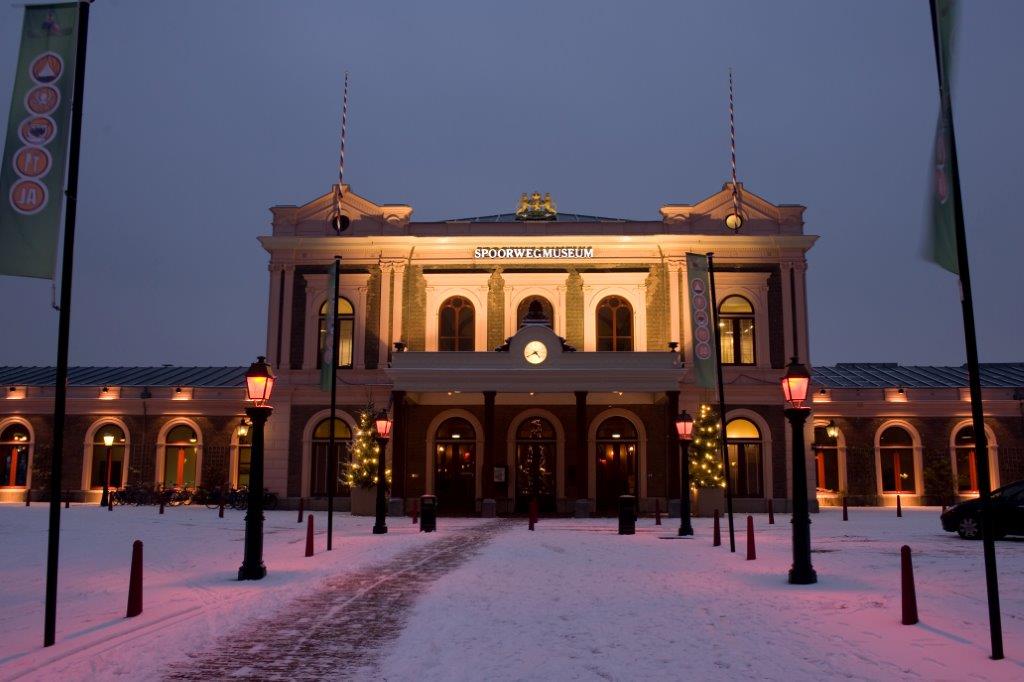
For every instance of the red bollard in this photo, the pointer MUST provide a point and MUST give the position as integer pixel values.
(909, 593)
(135, 582)
(415, 512)
(771, 513)
(220, 512)
(751, 552)
(657, 512)
(717, 536)
(161, 505)
(899, 506)
(67, 500)
(301, 505)
(110, 502)
(309, 535)
(846, 510)
(534, 513)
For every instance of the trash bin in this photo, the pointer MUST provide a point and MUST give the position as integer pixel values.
(582, 509)
(627, 515)
(428, 514)
(488, 508)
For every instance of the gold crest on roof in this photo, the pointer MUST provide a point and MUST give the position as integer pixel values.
(534, 207)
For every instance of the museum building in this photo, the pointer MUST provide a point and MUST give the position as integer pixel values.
(529, 354)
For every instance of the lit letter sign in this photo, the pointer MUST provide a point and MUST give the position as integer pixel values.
(532, 253)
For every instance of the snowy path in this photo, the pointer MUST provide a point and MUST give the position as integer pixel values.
(338, 631)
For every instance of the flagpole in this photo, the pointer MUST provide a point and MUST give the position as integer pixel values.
(721, 402)
(63, 331)
(973, 367)
(332, 456)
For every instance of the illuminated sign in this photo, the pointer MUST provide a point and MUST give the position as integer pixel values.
(537, 252)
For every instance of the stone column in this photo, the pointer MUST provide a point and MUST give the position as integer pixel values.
(675, 323)
(487, 487)
(399, 455)
(384, 330)
(672, 472)
(288, 272)
(396, 306)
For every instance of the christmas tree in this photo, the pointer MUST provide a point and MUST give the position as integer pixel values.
(362, 455)
(706, 450)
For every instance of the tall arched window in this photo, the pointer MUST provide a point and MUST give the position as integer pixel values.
(180, 456)
(736, 331)
(614, 324)
(523, 309)
(966, 460)
(346, 324)
(103, 470)
(746, 467)
(896, 451)
(456, 329)
(319, 471)
(826, 457)
(15, 443)
(244, 460)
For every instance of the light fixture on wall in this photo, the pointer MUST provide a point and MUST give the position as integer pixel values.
(831, 430)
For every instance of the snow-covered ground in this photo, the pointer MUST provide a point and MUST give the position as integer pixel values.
(573, 600)
(191, 594)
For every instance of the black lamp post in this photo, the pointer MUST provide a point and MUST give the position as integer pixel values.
(794, 387)
(684, 427)
(259, 383)
(108, 440)
(383, 423)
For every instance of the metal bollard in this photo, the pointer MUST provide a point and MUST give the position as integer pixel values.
(909, 592)
(899, 507)
(301, 505)
(135, 582)
(309, 535)
(771, 512)
(846, 510)
(751, 550)
(717, 535)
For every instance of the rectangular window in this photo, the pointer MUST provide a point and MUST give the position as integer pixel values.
(728, 343)
(966, 472)
(827, 469)
(99, 465)
(898, 470)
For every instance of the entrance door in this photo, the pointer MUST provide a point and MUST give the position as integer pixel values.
(536, 454)
(617, 463)
(455, 467)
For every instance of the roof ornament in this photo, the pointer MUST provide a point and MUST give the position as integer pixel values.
(534, 207)
(735, 219)
(340, 221)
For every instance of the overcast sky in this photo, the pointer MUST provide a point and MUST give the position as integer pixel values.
(201, 115)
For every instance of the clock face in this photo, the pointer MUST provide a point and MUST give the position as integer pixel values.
(535, 352)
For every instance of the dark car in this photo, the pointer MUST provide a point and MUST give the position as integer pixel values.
(1007, 514)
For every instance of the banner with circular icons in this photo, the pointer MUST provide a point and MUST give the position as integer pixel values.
(32, 173)
(701, 320)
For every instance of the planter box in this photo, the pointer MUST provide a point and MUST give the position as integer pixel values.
(364, 501)
(710, 499)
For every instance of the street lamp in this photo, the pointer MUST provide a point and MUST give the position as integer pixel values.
(108, 440)
(259, 384)
(243, 428)
(794, 387)
(684, 428)
(383, 423)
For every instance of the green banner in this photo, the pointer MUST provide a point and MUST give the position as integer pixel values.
(698, 287)
(327, 368)
(941, 246)
(35, 151)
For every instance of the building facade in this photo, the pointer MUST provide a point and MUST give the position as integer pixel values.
(530, 354)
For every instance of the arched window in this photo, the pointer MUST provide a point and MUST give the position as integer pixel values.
(15, 443)
(617, 462)
(896, 451)
(545, 307)
(180, 456)
(614, 324)
(455, 465)
(244, 458)
(319, 471)
(456, 329)
(966, 460)
(107, 463)
(736, 331)
(535, 464)
(746, 468)
(346, 324)
(826, 456)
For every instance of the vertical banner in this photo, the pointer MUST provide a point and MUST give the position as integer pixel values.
(327, 368)
(35, 151)
(941, 246)
(701, 320)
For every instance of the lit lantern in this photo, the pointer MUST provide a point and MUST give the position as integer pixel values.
(831, 430)
(795, 384)
(108, 439)
(684, 426)
(383, 422)
(243, 428)
(259, 382)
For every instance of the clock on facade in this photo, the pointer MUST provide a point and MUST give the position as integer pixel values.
(535, 352)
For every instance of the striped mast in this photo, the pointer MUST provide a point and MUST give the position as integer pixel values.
(339, 222)
(736, 219)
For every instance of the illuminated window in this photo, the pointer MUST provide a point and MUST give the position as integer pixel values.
(826, 457)
(319, 469)
(101, 471)
(456, 325)
(346, 324)
(736, 331)
(244, 460)
(545, 305)
(15, 444)
(614, 324)
(966, 462)
(746, 469)
(896, 451)
(180, 456)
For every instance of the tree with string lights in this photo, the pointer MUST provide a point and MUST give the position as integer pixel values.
(706, 450)
(361, 471)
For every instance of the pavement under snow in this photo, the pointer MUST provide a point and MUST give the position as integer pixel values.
(571, 600)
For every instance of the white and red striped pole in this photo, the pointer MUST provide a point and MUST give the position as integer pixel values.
(736, 219)
(339, 220)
